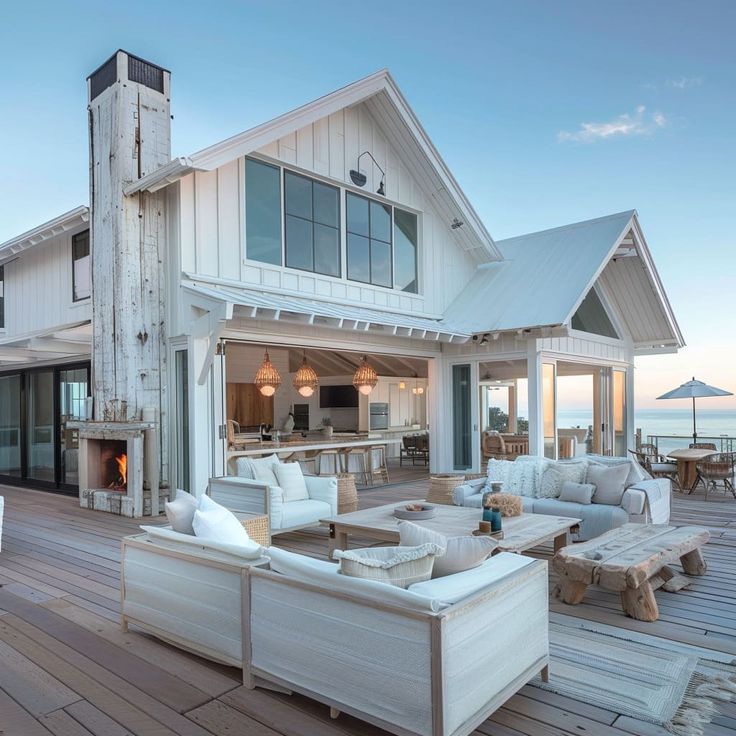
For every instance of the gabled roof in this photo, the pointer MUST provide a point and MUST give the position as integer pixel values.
(545, 276)
(68, 221)
(390, 109)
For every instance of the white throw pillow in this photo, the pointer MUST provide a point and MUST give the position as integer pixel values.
(461, 553)
(290, 479)
(555, 475)
(180, 512)
(212, 521)
(264, 469)
(577, 492)
(609, 482)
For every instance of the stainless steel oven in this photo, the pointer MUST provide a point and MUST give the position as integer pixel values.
(378, 416)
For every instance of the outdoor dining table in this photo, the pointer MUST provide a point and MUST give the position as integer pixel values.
(687, 459)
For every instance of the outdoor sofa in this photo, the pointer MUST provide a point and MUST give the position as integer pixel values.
(644, 500)
(240, 493)
(434, 660)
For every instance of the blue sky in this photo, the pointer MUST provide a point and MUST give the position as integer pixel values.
(547, 113)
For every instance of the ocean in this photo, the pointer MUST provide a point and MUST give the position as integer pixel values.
(676, 422)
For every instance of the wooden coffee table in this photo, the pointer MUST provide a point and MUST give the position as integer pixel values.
(521, 533)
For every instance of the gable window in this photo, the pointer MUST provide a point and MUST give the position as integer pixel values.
(381, 244)
(592, 317)
(2, 297)
(262, 212)
(81, 272)
(312, 215)
(369, 241)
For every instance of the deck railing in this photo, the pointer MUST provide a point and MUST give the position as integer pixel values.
(668, 442)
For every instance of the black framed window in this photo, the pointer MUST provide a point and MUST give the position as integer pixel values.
(81, 267)
(262, 212)
(2, 297)
(369, 241)
(312, 225)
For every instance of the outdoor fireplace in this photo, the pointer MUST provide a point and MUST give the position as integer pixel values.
(114, 475)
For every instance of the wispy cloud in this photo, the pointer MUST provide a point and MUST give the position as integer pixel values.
(640, 123)
(684, 82)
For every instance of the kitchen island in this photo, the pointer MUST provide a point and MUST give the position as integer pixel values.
(309, 450)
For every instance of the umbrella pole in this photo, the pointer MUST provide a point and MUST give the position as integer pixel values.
(695, 431)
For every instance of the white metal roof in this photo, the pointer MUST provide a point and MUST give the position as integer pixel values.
(265, 305)
(68, 221)
(391, 110)
(545, 275)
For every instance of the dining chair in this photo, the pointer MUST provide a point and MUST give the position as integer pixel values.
(657, 466)
(716, 468)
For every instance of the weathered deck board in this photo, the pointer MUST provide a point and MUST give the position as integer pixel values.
(67, 670)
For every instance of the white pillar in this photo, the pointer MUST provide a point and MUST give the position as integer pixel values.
(200, 419)
(439, 418)
(536, 407)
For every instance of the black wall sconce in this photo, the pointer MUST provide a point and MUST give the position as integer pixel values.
(359, 179)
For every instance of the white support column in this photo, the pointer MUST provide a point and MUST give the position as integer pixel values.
(200, 419)
(630, 418)
(438, 416)
(536, 406)
(513, 407)
(219, 417)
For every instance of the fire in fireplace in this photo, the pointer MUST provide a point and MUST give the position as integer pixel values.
(113, 465)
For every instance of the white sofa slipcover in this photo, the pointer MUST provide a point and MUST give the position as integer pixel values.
(645, 500)
(400, 667)
(256, 497)
(185, 590)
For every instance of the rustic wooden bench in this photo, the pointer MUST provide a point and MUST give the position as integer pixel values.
(632, 560)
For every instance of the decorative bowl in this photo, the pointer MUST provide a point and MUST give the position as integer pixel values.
(427, 511)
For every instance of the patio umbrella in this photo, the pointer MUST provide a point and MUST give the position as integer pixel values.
(694, 390)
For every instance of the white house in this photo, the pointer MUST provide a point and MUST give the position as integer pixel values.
(331, 232)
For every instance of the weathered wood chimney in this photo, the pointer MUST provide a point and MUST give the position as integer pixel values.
(129, 136)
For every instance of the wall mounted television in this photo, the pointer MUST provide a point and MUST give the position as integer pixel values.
(338, 397)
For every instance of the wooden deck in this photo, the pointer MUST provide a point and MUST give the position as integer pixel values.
(66, 669)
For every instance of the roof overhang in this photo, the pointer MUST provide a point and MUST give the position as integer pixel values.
(68, 221)
(263, 305)
(391, 110)
(62, 342)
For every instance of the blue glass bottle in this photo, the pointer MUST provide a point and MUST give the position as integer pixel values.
(495, 519)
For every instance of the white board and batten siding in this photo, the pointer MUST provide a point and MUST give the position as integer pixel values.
(38, 289)
(212, 218)
(580, 345)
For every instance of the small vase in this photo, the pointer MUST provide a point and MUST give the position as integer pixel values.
(496, 486)
(495, 519)
(488, 515)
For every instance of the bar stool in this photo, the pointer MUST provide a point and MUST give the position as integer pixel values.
(365, 466)
(382, 468)
(336, 454)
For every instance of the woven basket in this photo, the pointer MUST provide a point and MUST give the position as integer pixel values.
(441, 488)
(347, 493)
(401, 574)
(258, 529)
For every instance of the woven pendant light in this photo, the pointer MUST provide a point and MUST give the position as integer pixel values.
(365, 378)
(267, 378)
(305, 379)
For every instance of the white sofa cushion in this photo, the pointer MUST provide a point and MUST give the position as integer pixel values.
(453, 588)
(461, 553)
(636, 473)
(264, 469)
(304, 513)
(326, 575)
(290, 478)
(556, 474)
(180, 512)
(576, 492)
(212, 521)
(609, 482)
(169, 539)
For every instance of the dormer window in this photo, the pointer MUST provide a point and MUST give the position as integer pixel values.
(81, 267)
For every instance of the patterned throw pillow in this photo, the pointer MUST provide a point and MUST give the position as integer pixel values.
(557, 474)
(525, 477)
(498, 472)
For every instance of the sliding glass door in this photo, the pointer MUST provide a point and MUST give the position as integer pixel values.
(462, 417)
(36, 447)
